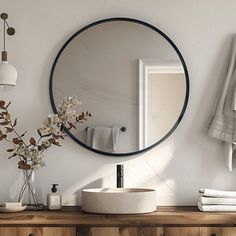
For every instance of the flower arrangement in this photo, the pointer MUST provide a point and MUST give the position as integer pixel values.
(30, 153)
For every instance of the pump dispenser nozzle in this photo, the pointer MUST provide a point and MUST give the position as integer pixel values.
(54, 188)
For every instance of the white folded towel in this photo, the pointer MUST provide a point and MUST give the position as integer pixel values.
(216, 201)
(216, 207)
(103, 138)
(217, 193)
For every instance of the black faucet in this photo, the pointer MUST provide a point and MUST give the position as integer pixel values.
(119, 176)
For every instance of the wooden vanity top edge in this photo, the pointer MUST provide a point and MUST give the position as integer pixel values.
(72, 216)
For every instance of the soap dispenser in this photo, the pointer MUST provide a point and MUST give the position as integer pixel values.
(54, 199)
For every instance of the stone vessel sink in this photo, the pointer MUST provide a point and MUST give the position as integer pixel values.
(119, 200)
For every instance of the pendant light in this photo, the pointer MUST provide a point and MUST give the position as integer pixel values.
(8, 73)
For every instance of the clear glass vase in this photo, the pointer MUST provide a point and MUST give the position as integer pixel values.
(29, 192)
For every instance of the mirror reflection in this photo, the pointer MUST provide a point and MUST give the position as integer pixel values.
(129, 77)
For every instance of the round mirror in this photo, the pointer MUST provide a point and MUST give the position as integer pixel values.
(130, 76)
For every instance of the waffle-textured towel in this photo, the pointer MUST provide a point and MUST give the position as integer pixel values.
(223, 123)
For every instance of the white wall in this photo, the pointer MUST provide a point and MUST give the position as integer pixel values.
(188, 160)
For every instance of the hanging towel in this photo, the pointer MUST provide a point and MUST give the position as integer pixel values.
(103, 138)
(89, 137)
(223, 125)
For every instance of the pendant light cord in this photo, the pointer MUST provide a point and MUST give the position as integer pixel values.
(4, 35)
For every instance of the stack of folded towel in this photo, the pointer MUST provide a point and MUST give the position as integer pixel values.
(216, 200)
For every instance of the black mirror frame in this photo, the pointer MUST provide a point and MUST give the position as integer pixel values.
(171, 43)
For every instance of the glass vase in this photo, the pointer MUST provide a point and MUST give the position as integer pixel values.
(30, 191)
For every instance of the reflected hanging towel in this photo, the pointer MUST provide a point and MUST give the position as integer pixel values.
(223, 125)
(103, 138)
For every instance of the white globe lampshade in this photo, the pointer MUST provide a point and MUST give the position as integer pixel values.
(8, 75)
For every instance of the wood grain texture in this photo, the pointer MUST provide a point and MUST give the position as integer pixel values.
(183, 231)
(120, 231)
(150, 231)
(200, 231)
(128, 231)
(208, 231)
(37, 231)
(166, 216)
(102, 231)
(229, 231)
(218, 231)
(98, 231)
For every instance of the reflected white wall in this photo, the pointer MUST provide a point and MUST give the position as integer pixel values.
(165, 102)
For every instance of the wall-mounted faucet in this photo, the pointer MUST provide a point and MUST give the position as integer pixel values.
(120, 176)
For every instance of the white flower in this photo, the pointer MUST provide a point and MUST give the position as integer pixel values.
(46, 144)
(56, 130)
(39, 162)
(21, 150)
(52, 125)
(68, 103)
(71, 116)
(31, 155)
(52, 119)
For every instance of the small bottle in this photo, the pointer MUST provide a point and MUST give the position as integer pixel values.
(54, 199)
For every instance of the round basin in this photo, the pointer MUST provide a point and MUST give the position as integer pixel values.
(119, 200)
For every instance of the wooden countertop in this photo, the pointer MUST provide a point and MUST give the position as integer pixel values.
(71, 216)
